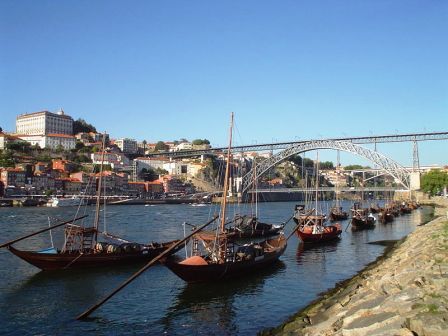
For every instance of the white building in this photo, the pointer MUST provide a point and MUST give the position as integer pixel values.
(176, 167)
(128, 146)
(115, 160)
(52, 141)
(43, 123)
(183, 146)
(153, 163)
(3, 141)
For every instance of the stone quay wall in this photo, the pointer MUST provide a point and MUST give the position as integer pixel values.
(404, 293)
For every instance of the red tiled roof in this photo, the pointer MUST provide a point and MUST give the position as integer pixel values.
(60, 135)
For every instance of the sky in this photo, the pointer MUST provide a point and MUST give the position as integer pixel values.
(289, 70)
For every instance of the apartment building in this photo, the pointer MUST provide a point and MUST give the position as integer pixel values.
(43, 123)
(13, 177)
(127, 146)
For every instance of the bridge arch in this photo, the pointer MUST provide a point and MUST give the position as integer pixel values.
(390, 166)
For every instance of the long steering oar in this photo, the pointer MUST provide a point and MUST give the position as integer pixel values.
(348, 225)
(40, 231)
(298, 225)
(286, 222)
(143, 269)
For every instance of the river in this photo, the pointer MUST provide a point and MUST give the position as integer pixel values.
(46, 303)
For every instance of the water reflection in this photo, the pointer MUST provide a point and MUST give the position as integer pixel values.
(215, 304)
(160, 302)
(315, 252)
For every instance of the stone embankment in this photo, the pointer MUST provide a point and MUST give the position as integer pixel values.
(403, 293)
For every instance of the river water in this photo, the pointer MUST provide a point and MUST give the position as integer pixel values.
(46, 303)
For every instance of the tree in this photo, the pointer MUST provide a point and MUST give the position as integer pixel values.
(198, 142)
(6, 159)
(434, 181)
(81, 126)
(59, 148)
(161, 146)
(297, 159)
(79, 145)
(355, 167)
(148, 174)
(19, 145)
(326, 165)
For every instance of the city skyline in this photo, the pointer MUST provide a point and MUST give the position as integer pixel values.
(289, 70)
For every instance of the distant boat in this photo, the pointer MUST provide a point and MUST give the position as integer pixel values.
(312, 227)
(361, 218)
(248, 226)
(63, 202)
(336, 213)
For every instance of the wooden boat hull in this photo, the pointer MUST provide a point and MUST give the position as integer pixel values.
(338, 216)
(363, 224)
(256, 233)
(223, 271)
(329, 233)
(76, 260)
(386, 217)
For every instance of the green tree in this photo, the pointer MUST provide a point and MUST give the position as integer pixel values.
(81, 126)
(19, 145)
(355, 167)
(161, 146)
(198, 142)
(79, 145)
(326, 165)
(6, 159)
(148, 174)
(59, 149)
(434, 181)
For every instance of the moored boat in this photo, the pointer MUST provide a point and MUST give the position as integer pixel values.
(311, 223)
(102, 255)
(248, 226)
(312, 228)
(361, 218)
(336, 214)
(217, 256)
(237, 261)
(63, 201)
(87, 246)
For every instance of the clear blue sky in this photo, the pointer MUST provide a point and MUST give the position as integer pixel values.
(164, 70)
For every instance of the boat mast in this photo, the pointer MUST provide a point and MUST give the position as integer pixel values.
(317, 178)
(98, 193)
(337, 181)
(226, 179)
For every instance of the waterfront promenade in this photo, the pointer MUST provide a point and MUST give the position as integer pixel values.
(404, 293)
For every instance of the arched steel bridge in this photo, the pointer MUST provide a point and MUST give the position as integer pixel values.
(390, 166)
(348, 144)
(375, 139)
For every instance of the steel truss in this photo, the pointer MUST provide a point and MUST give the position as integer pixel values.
(375, 139)
(390, 166)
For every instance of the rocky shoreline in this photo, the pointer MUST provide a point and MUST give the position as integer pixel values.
(404, 292)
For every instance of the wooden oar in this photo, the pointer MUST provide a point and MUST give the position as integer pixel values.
(40, 231)
(348, 225)
(143, 269)
(298, 225)
(286, 222)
